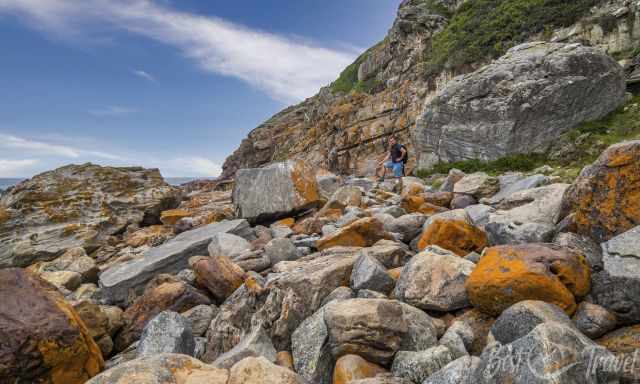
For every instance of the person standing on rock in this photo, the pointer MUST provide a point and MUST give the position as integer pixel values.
(395, 160)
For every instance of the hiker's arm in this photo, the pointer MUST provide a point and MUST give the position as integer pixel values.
(403, 153)
(385, 158)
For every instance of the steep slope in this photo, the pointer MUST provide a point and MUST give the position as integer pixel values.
(344, 126)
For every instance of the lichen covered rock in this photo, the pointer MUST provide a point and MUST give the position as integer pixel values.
(361, 233)
(457, 236)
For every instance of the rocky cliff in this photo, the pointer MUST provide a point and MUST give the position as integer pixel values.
(385, 90)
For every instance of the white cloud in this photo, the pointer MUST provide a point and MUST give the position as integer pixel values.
(143, 74)
(37, 147)
(190, 166)
(113, 111)
(287, 69)
(15, 168)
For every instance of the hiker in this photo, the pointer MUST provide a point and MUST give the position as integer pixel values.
(395, 160)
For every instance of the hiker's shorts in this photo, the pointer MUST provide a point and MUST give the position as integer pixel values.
(396, 167)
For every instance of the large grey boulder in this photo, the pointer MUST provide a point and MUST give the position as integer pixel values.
(409, 226)
(520, 103)
(418, 366)
(369, 274)
(435, 280)
(200, 317)
(168, 332)
(275, 191)
(551, 353)
(510, 186)
(422, 330)
(255, 344)
(171, 257)
(617, 286)
(478, 185)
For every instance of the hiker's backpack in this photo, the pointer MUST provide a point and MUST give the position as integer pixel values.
(406, 154)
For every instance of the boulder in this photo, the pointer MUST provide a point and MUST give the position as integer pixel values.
(200, 317)
(258, 370)
(508, 274)
(219, 275)
(168, 332)
(455, 235)
(512, 105)
(255, 344)
(479, 214)
(409, 226)
(328, 184)
(551, 353)
(422, 330)
(227, 244)
(171, 216)
(458, 371)
(278, 250)
(63, 280)
(617, 286)
(162, 293)
(354, 367)
(371, 328)
(340, 293)
(521, 318)
(502, 230)
(311, 353)
(478, 185)
(285, 359)
(461, 201)
(361, 233)
(389, 253)
(583, 244)
(452, 178)
(118, 281)
(604, 197)
(102, 322)
(435, 280)
(350, 215)
(292, 189)
(369, 274)
(382, 378)
(344, 197)
(593, 320)
(162, 368)
(538, 205)
(78, 206)
(418, 366)
(43, 338)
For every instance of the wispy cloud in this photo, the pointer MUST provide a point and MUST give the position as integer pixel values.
(287, 69)
(16, 168)
(113, 110)
(37, 147)
(191, 166)
(143, 74)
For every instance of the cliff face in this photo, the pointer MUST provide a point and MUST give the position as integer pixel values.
(343, 128)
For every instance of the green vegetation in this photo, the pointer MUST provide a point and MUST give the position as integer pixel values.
(348, 79)
(485, 29)
(589, 139)
(438, 8)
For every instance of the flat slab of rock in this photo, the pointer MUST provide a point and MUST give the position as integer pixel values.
(168, 332)
(171, 257)
(275, 191)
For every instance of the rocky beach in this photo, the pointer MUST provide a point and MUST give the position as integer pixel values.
(509, 253)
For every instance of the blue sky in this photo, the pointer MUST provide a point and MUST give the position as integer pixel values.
(173, 84)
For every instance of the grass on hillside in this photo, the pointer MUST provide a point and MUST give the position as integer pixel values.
(590, 139)
(348, 79)
(481, 30)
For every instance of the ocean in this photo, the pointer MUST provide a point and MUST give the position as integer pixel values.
(10, 182)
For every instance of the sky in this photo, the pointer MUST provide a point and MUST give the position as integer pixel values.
(169, 84)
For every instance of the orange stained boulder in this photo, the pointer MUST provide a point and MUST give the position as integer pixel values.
(219, 274)
(411, 203)
(508, 274)
(172, 216)
(354, 367)
(43, 340)
(412, 189)
(431, 209)
(361, 233)
(287, 222)
(457, 236)
(606, 195)
(442, 199)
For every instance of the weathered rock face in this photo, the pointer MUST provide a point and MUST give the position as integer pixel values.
(167, 333)
(219, 275)
(518, 103)
(119, 281)
(43, 338)
(276, 191)
(617, 286)
(454, 235)
(606, 195)
(77, 206)
(507, 274)
(361, 233)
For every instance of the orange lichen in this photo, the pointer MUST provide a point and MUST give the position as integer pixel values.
(361, 233)
(286, 222)
(4, 215)
(354, 367)
(171, 216)
(506, 275)
(457, 236)
(431, 209)
(304, 182)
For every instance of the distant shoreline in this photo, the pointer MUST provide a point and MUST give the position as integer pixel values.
(8, 182)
